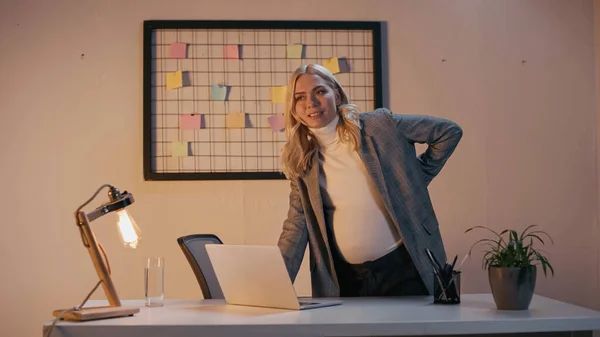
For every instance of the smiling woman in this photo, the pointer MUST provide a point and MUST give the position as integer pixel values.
(362, 212)
(316, 98)
(315, 101)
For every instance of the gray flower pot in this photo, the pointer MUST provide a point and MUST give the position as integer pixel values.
(512, 288)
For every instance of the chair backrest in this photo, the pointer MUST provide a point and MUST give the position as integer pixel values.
(193, 247)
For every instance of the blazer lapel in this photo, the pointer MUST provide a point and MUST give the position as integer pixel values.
(314, 194)
(330, 284)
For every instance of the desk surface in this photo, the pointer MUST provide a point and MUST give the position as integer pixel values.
(476, 314)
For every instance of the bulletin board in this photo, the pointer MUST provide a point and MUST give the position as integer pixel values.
(213, 91)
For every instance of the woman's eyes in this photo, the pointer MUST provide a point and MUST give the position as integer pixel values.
(320, 92)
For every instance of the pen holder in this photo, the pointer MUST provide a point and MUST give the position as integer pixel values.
(446, 291)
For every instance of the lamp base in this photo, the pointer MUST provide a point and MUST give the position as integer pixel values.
(92, 313)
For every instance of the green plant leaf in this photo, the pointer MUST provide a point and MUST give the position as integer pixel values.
(489, 229)
(514, 251)
(523, 234)
(534, 234)
(514, 236)
(489, 241)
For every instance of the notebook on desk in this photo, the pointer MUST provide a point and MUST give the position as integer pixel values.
(257, 276)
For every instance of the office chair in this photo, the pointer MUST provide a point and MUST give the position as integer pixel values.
(195, 253)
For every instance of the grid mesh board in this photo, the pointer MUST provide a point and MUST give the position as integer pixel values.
(217, 94)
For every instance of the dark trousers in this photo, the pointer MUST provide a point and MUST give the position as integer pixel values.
(391, 275)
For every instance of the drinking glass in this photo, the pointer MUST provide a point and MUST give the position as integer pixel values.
(154, 277)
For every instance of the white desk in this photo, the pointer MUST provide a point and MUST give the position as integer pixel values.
(476, 314)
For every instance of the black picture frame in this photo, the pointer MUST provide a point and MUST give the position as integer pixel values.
(151, 26)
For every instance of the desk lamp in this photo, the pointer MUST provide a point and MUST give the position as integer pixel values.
(129, 234)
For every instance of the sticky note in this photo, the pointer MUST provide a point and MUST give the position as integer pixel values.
(337, 65)
(278, 94)
(174, 80)
(179, 149)
(344, 65)
(295, 51)
(277, 122)
(219, 92)
(232, 51)
(332, 65)
(178, 50)
(190, 122)
(235, 120)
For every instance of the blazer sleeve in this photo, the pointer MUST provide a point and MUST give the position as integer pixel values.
(441, 135)
(294, 235)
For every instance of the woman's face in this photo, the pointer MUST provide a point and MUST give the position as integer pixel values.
(315, 101)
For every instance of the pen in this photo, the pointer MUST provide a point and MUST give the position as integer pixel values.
(453, 263)
(451, 282)
(448, 269)
(458, 269)
(435, 271)
(434, 260)
(463, 261)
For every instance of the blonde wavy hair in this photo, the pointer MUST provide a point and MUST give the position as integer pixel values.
(301, 142)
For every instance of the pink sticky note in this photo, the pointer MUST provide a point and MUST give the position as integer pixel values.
(232, 51)
(277, 122)
(190, 122)
(178, 50)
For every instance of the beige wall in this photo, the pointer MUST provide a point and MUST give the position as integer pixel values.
(70, 124)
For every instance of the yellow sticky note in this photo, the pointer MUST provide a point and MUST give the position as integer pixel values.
(278, 94)
(295, 51)
(332, 64)
(174, 80)
(235, 120)
(179, 149)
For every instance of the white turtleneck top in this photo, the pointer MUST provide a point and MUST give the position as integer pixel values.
(353, 207)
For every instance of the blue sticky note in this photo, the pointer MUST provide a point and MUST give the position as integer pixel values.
(219, 92)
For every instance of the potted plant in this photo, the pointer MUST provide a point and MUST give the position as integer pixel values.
(511, 260)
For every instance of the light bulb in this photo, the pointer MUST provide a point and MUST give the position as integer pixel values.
(128, 230)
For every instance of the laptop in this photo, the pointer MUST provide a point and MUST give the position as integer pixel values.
(256, 276)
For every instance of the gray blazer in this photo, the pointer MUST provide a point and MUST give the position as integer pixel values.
(402, 177)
